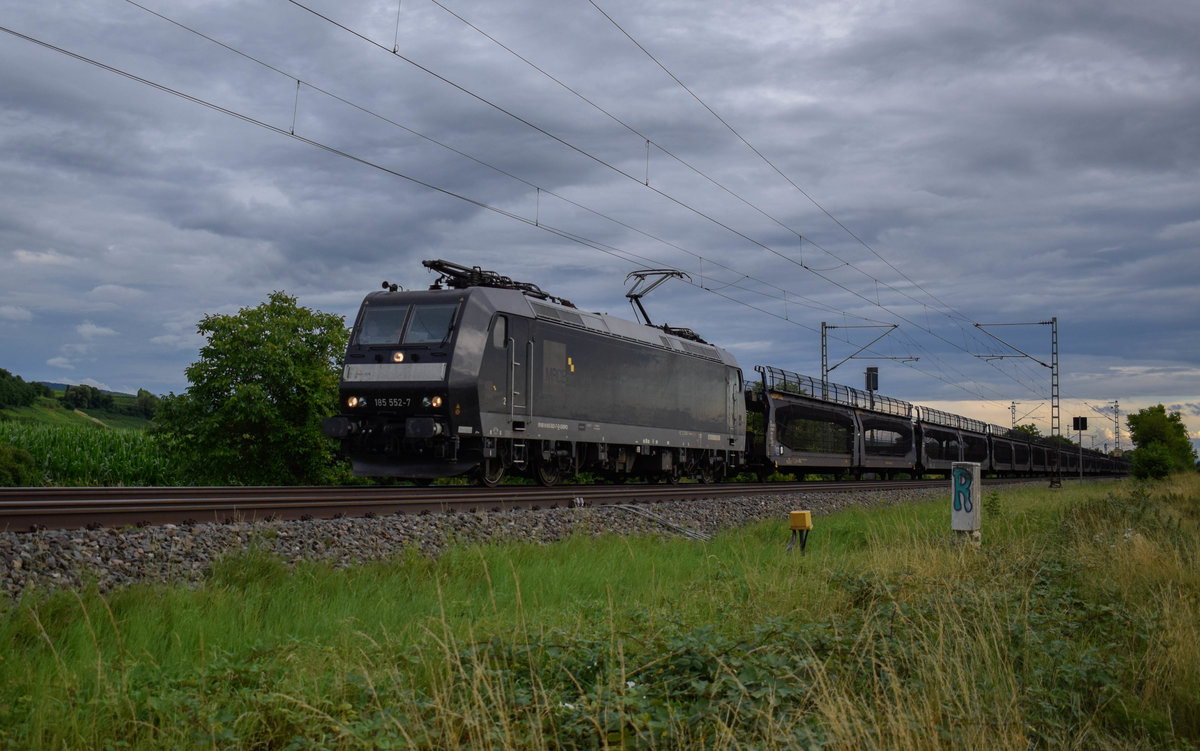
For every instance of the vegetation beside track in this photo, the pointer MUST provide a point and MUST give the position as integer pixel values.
(88, 456)
(1075, 623)
(65, 446)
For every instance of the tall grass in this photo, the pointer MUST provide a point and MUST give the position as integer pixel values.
(1073, 625)
(83, 456)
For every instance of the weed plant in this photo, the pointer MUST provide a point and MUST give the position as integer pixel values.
(1073, 625)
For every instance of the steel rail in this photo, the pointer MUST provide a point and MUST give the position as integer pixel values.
(26, 509)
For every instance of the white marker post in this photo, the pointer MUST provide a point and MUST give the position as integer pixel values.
(965, 516)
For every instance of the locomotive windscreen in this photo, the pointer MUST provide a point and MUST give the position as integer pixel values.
(428, 323)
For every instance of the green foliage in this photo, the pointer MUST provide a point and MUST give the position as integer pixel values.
(992, 508)
(146, 404)
(16, 467)
(15, 392)
(252, 414)
(84, 397)
(755, 422)
(1030, 430)
(90, 455)
(1062, 441)
(1152, 462)
(1162, 443)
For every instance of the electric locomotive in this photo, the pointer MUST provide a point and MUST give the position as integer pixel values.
(485, 376)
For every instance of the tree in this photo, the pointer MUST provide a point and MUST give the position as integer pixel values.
(1061, 440)
(147, 403)
(1162, 443)
(252, 414)
(1030, 430)
(15, 392)
(86, 397)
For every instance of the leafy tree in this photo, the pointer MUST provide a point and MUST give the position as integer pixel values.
(86, 397)
(252, 414)
(1151, 461)
(1061, 440)
(1162, 443)
(1030, 430)
(1033, 431)
(15, 392)
(147, 403)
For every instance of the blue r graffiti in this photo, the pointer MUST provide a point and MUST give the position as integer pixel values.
(962, 490)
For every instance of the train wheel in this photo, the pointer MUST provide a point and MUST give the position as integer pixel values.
(547, 474)
(491, 472)
(708, 474)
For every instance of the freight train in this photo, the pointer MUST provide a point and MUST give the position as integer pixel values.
(484, 376)
(812, 427)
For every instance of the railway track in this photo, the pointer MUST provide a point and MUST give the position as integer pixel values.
(27, 509)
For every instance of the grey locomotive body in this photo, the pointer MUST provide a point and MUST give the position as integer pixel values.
(488, 376)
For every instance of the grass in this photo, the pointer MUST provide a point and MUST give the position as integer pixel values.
(1073, 625)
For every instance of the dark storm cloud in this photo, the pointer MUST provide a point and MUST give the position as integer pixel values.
(1191, 409)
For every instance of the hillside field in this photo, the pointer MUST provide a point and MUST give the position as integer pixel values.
(52, 412)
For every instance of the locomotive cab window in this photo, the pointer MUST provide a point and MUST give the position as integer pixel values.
(382, 325)
(429, 323)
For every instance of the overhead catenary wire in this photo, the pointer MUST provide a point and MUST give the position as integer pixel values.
(649, 141)
(761, 156)
(537, 188)
(623, 255)
(958, 318)
(787, 296)
(583, 152)
(629, 176)
(342, 153)
(484, 100)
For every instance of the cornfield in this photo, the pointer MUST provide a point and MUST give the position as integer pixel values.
(83, 456)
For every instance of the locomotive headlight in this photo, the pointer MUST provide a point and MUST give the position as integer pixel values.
(397, 357)
(437, 401)
(353, 402)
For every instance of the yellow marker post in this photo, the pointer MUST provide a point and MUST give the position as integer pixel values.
(801, 522)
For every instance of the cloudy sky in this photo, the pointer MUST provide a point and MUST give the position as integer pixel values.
(931, 164)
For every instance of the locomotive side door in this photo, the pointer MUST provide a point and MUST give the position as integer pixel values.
(736, 404)
(520, 372)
